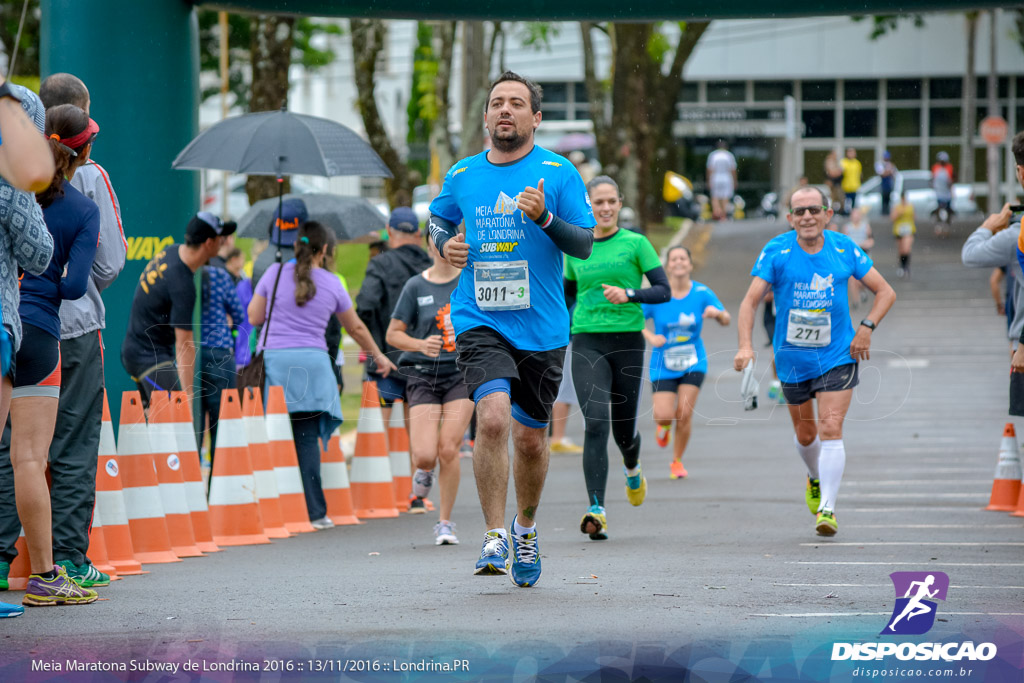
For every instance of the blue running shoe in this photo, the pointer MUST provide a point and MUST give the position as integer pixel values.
(8, 610)
(493, 555)
(526, 558)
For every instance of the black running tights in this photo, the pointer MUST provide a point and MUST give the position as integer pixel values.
(607, 369)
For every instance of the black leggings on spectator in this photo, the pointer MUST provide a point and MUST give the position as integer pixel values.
(306, 434)
(607, 371)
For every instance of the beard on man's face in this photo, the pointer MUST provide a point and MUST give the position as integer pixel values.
(509, 141)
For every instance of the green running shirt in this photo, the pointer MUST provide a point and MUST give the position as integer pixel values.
(620, 260)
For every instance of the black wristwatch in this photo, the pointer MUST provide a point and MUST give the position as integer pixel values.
(630, 294)
(5, 91)
(868, 324)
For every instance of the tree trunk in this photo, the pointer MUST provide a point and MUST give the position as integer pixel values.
(367, 43)
(271, 47)
(474, 87)
(597, 101)
(440, 137)
(968, 112)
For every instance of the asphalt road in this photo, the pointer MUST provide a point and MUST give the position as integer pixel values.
(710, 564)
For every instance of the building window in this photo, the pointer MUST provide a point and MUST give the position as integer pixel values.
(688, 92)
(860, 123)
(945, 121)
(819, 123)
(945, 88)
(819, 91)
(555, 93)
(1003, 89)
(905, 156)
(565, 101)
(860, 90)
(903, 89)
(772, 91)
(726, 91)
(903, 122)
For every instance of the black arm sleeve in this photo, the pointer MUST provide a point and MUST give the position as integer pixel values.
(570, 288)
(571, 239)
(658, 293)
(441, 231)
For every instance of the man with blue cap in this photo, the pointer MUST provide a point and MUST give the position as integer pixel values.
(282, 235)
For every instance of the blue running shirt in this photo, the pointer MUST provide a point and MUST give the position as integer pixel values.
(680, 321)
(811, 302)
(486, 195)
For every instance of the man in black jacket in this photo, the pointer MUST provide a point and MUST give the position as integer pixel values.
(386, 274)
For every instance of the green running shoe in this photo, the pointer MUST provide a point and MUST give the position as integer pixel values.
(5, 570)
(85, 575)
(826, 524)
(812, 494)
(636, 487)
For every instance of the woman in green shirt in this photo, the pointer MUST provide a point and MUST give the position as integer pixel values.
(608, 347)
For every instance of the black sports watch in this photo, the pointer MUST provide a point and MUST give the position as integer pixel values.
(868, 324)
(630, 294)
(5, 91)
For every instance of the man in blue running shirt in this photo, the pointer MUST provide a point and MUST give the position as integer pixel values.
(816, 346)
(523, 207)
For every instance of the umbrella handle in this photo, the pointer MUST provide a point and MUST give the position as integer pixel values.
(280, 215)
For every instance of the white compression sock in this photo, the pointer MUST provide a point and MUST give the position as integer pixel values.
(831, 464)
(810, 454)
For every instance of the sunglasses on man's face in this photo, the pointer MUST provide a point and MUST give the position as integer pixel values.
(813, 210)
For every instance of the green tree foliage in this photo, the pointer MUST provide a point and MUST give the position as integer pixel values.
(423, 106)
(883, 24)
(240, 27)
(27, 63)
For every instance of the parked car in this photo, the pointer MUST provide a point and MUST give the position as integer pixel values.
(238, 200)
(917, 184)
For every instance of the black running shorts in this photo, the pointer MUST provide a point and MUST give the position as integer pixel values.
(839, 378)
(485, 355)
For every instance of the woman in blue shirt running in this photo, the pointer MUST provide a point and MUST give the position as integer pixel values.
(678, 361)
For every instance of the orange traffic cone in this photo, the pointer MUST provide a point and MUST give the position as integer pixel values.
(398, 453)
(1006, 484)
(142, 500)
(110, 503)
(164, 442)
(286, 464)
(195, 488)
(372, 490)
(17, 578)
(334, 477)
(97, 551)
(234, 509)
(262, 464)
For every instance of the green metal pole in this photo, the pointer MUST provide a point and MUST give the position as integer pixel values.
(140, 61)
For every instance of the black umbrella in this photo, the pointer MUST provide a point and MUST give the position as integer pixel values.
(281, 143)
(348, 217)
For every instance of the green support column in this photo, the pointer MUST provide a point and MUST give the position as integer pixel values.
(140, 61)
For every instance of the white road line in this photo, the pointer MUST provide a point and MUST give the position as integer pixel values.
(873, 614)
(885, 585)
(1020, 525)
(920, 482)
(922, 494)
(927, 543)
(918, 564)
(913, 508)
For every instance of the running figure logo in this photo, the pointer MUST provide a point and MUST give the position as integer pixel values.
(914, 613)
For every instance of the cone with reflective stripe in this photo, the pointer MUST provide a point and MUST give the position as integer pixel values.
(142, 500)
(262, 463)
(164, 441)
(372, 490)
(286, 464)
(398, 453)
(195, 488)
(234, 509)
(1006, 485)
(110, 502)
(17, 577)
(97, 551)
(334, 477)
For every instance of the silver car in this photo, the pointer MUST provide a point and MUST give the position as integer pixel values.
(917, 184)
